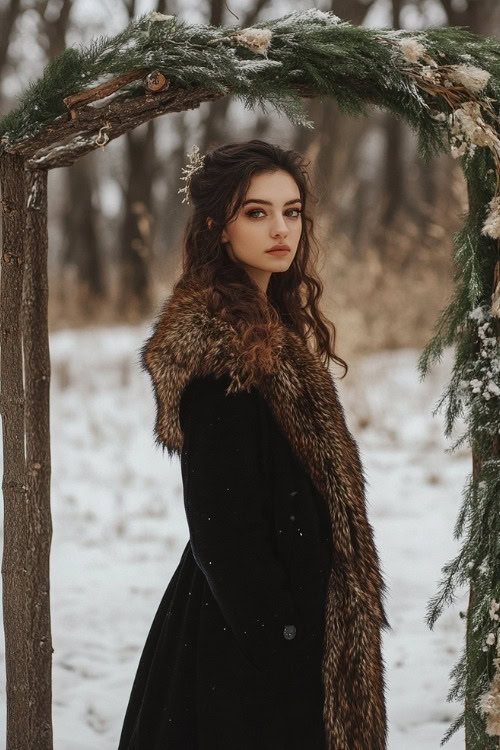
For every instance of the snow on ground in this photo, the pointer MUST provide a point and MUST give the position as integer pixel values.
(119, 530)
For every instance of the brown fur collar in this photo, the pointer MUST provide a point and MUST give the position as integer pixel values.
(188, 341)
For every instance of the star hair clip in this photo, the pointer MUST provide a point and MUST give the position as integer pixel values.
(196, 162)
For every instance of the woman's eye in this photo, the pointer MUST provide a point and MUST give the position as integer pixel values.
(259, 210)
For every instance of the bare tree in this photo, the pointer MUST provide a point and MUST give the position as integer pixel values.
(393, 177)
(136, 235)
(8, 17)
(215, 121)
(82, 247)
(335, 141)
(476, 14)
(136, 232)
(82, 252)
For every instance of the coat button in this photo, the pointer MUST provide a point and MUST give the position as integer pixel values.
(289, 632)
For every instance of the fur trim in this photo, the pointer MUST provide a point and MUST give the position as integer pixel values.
(188, 341)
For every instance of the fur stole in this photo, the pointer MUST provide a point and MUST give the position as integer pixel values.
(188, 341)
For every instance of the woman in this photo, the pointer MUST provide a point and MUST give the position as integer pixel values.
(268, 634)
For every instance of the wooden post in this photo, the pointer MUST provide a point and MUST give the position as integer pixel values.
(38, 466)
(474, 726)
(28, 650)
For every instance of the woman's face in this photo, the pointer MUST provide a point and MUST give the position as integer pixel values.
(270, 215)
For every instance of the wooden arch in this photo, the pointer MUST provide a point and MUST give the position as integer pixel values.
(355, 65)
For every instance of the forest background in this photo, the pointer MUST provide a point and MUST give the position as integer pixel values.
(385, 222)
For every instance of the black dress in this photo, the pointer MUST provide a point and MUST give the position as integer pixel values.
(233, 659)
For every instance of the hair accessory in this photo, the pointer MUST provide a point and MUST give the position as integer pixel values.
(196, 162)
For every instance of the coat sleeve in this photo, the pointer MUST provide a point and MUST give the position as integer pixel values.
(225, 497)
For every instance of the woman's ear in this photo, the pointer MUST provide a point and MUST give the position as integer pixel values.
(223, 236)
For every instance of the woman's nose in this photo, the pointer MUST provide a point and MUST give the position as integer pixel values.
(280, 227)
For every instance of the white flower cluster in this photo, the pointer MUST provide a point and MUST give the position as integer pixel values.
(468, 130)
(491, 225)
(465, 124)
(489, 701)
(487, 367)
(411, 48)
(492, 638)
(472, 78)
(256, 40)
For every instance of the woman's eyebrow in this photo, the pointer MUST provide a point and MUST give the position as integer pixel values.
(269, 203)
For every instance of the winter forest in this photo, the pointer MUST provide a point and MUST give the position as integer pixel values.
(386, 223)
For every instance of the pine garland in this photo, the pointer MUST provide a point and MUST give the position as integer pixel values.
(445, 83)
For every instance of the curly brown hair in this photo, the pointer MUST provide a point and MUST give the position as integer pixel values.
(216, 191)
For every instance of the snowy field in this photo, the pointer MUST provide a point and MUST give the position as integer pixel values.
(119, 530)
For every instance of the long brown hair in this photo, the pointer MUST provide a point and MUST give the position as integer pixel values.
(217, 190)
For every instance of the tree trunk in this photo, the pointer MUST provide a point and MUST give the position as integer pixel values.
(38, 461)
(478, 15)
(27, 526)
(393, 187)
(83, 248)
(136, 230)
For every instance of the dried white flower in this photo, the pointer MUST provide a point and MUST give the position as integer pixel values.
(467, 124)
(411, 48)
(457, 151)
(477, 314)
(493, 609)
(476, 385)
(490, 639)
(491, 226)
(474, 79)
(467, 121)
(493, 388)
(256, 40)
(428, 72)
(489, 703)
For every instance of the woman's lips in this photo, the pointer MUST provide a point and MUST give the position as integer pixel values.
(277, 252)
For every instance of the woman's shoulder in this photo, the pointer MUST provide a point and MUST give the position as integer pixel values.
(208, 394)
(203, 386)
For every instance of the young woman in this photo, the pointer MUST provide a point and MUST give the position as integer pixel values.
(268, 634)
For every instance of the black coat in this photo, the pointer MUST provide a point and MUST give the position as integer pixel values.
(277, 604)
(233, 657)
